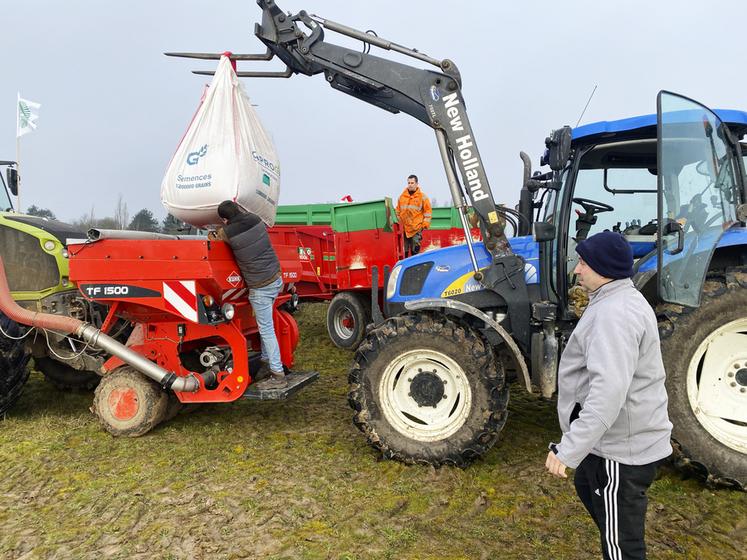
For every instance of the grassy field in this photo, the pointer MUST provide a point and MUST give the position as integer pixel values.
(295, 480)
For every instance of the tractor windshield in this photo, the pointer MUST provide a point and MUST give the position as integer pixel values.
(698, 182)
(614, 189)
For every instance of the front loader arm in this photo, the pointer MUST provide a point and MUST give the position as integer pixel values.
(432, 97)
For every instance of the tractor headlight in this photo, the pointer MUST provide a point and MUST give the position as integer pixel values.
(391, 286)
(228, 311)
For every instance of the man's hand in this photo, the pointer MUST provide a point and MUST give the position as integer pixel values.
(554, 466)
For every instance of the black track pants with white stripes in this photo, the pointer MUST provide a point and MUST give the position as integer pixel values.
(615, 496)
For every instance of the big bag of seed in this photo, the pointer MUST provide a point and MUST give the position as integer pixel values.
(226, 154)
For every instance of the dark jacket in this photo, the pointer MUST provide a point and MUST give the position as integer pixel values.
(248, 238)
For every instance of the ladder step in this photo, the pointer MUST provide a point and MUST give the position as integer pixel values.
(297, 380)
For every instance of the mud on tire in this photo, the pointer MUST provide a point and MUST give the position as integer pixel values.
(688, 336)
(128, 404)
(64, 377)
(405, 362)
(14, 370)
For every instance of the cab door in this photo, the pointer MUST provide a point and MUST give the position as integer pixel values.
(698, 193)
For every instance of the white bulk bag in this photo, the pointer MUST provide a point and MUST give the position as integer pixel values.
(225, 155)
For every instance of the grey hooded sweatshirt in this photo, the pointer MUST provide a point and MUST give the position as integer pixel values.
(611, 396)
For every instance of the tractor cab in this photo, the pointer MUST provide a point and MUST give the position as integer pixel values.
(677, 177)
(10, 185)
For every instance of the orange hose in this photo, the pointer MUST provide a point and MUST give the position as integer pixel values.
(58, 323)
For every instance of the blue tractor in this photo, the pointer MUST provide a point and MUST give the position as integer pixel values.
(430, 384)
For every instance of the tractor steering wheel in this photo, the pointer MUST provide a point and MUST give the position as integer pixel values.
(592, 206)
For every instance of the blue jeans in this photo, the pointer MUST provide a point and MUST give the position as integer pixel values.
(262, 300)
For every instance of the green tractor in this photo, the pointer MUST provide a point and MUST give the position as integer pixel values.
(35, 255)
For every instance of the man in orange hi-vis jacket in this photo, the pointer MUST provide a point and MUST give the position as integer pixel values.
(414, 213)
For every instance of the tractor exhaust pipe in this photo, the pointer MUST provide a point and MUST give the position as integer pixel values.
(94, 337)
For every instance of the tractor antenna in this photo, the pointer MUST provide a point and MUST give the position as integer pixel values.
(587, 105)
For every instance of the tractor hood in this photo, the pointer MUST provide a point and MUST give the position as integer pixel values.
(60, 230)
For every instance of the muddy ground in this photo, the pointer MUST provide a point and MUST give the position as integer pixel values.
(296, 480)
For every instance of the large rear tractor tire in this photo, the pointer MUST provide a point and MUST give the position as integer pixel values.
(66, 378)
(428, 390)
(14, 359)
(347, 316)
(128, 404)
(705, 357)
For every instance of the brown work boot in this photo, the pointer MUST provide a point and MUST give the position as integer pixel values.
(275, 381)
(263, 372)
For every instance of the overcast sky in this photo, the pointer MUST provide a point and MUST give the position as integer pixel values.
(114, 108)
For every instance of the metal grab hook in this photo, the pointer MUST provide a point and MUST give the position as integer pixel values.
(266, 56)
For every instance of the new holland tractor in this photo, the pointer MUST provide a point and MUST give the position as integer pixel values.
(430, 383)
(35, 254)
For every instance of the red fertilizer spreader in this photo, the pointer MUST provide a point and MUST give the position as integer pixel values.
(184, 310)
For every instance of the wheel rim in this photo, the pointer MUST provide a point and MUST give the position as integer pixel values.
(425, 395)
(123, 403)
(717, 384)
(344, 322)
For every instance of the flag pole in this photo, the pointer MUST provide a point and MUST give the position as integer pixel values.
(18, 152)
(18, 170)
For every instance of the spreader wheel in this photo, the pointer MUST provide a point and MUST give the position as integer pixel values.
(129, 404)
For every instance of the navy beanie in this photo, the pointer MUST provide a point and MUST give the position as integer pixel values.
(609, 254)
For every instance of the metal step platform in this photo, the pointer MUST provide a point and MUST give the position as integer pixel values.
(297, 380)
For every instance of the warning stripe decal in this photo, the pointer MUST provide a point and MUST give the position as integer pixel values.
(235, 294)
(181, 297)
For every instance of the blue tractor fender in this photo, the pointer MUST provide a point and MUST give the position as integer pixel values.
(446, 304)
(735, 236)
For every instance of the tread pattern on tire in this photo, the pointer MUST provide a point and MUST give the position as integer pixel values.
(674, 323)
(475, 349)
(64, 377)
(14, 370)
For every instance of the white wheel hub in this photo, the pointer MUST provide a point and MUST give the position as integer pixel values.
(717, 384)
(425, 395)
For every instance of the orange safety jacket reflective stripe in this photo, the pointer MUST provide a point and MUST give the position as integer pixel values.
(413, 211)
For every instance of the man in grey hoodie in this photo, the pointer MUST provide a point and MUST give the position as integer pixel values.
(612, 403)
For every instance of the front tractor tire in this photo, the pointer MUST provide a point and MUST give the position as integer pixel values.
(14, 359)
(705, 357)
(128, 404)
(347, 316)
(428, 390)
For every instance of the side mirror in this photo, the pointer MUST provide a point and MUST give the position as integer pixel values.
(675, 227)
(543, 231)
(558, 148)
(12, 175)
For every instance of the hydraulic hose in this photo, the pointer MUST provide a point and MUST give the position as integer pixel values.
(94, 337)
